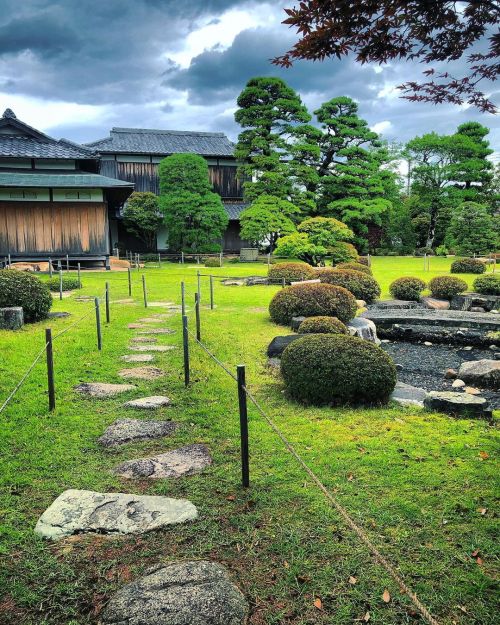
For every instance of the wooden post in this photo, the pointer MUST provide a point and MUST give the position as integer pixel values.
(79, 276)
(185, 341)
(138, 261)
(159, 261)
(268, 261)
(60, 283)
(144, 291)
(50, 268)
(67, 262)
(129, 282)
(98, 323)
(221, 259)
(182, 257)
(211, 292)
(425, 261)
(242, 402)
(10, 264)
(199, 285)
(183, 298)
(369, 260)
(107, 303)
(283, 283)
(50, 369)
(197, 311)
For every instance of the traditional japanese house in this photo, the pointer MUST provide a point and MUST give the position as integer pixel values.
(133, 154)
(53, 200)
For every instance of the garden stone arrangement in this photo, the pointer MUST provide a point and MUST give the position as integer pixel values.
(176, 463)
(131, 430)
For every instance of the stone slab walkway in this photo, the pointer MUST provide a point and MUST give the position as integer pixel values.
(144, 339)
(102, 390)
(157, 331)
(152, 348)
(125, 431)
(176, 463)
(148, 403)
(141, 373)
(138, 358)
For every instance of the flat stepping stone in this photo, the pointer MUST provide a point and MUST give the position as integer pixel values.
(161, 304)
(150, 320)
(85, 511)
(128, 300)
(144, 339)
(151, 348)
(138, 358)
(157, 331)
(58, 315)
(148, 403)
(181, 593)
(460, 405)
(136, 326)
(102, 390)
(142, 373)
(176, 463)
(125, 431)
(408, 395)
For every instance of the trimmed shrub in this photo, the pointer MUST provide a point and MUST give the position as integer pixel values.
(363, 260)
(468, 265)
(446, 287)
(336, 369)
(361, 285)
(212, 262)
(323, 325)
(355, 267)
(488, 285)
(19, 288)
(407, 288)
(69, 283)
(311, 300)
(292, 272)
(343, 253)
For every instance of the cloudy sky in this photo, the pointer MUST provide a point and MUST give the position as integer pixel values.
(75, 68)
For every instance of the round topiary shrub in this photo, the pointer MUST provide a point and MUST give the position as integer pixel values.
(19, 288)
(322, 325)
(407, 288)
(468, 265)
(446, 287)
(292, 272)
(361, 285)
(488, 285)
(212, 262)
(363, 260)
(343, 253)
(311, 300)
(69, 283)
(355, 267)
(337, 369)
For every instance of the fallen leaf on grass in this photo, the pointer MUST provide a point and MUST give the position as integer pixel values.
(386, 596)
(318, 604)
(482, 511)
(353, 580)
(231, 497)
(475, 553)
(286, 565)
(350, 477)
(484, 455)
(366, 617)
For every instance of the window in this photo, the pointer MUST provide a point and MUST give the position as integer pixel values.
(23, 195)
(78, 195)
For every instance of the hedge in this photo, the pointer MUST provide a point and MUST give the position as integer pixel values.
(446, 287)
(361, 285)
(407, 288)
(322, 325)
(20, 288)
(291, 272)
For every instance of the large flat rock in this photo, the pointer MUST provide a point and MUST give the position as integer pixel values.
(408, 395)
(125, 431)
(151, 348)
(148, 403)
(85, 511)
(183, 593)
(176, 463)
(102, 390)
(449, 318)
(141, 373)
(157, 331)
(484, 373)
(279, 343)
(458, 404)
(138, 358)
(144, 339)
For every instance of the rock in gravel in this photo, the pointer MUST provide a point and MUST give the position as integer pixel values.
(427, 343)
(458, 384)
(435, 304)
(138, 358)
(408, 395)
(364, 329)
(148, 403)
(151, 348)
(142, 373)
(484, 373)
(472, 390)
(157, 331)
(176, 463)
(496, 355)
(458, 404)
(181, 593)
(144, 339)
(450, 374)
(101, 390)
(86, 511)
(131, 430)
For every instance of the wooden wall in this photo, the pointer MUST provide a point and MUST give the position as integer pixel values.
(47, 227)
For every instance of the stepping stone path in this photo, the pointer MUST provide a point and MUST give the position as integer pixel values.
(136, 326)
(102, 390)
(182, 593)
(151, 320)
(144, 339)
(131, 430)
(85, 511)
(461, 405)
(142, 373)
(176, 463)
(148, 403)
(157, 331)
(161, 304)
(138, 358)
(152, 348)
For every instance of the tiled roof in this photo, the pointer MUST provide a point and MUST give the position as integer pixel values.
(163, 142)
(52, 179)
(234, 209)
(28, 147)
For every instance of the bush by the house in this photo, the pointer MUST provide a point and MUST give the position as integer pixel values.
(363, 260)
(488, 285)
(407, 288)
(212, 261)
(446, 287)
(468, 265)
(19, 288)
(322, 325)
(68, 283)
(311, 300)
(343, 253)
(355, 267)
(337, 369)
(291, 272)
(361, 285)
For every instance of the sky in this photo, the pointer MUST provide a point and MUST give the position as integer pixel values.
(76, 68)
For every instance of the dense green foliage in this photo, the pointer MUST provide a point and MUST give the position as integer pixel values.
(488, 285)
(312, 300)
(322, 325)
(267, 219)
(473, 230)
(407, 288)
(291, 272)
(343, 253)
(212, 261)
(142, 216)
(337, 370)
(361, 285)
(20, 288)
(446, 287)
(468, 265)
(355, 267)
(69, 283)
(194, 215)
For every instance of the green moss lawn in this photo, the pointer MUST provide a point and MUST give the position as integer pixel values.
(422, 485)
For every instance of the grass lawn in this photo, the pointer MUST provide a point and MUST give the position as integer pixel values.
(422, 485)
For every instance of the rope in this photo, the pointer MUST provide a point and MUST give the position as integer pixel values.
(21, 381)
(221, 364)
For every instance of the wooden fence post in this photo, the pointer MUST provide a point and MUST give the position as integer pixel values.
(283, 283)
(107, 303)
(211, 292)
(60, 283)
(98, 323)
(79, 276)
(242, 402)
(50, 268)
(199, 285)
(183, 298)
(67, 262)
(50, 369)
(197, 311)
(129, 282)
(159, 261)
(144, 291)
(185, 341)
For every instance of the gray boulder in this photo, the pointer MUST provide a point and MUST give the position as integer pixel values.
(408, 395)
(11, 318)
(458, 404)
(183, 593)
(176, 463)
(278, 344)
(363, 328)
(296, 321)
(485, 373)
(131, 430)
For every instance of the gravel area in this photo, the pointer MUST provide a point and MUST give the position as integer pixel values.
(424, 365)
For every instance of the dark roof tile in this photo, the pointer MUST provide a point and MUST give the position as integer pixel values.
(13, 146)
(59, 179)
